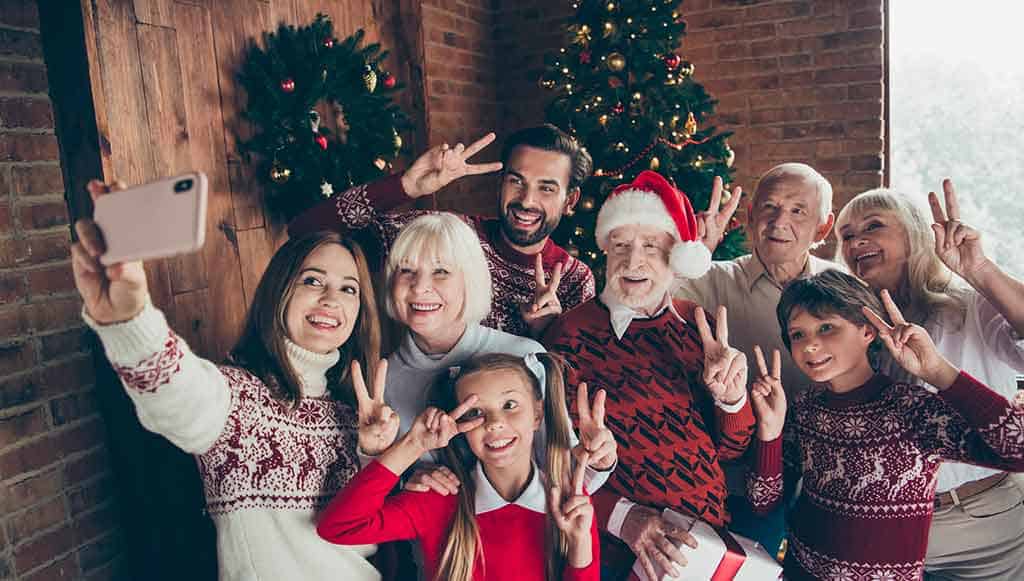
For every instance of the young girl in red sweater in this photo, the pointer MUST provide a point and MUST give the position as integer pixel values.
(867, 448)
(509, 520)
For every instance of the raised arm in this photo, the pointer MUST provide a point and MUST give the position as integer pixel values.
(176, 394)
(725, 375)
(959, 247)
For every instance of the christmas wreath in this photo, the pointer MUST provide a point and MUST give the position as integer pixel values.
(322, 113)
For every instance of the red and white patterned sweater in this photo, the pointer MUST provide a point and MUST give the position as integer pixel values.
(266, 472)
(512, 272)
(869, 459)
(670, 433)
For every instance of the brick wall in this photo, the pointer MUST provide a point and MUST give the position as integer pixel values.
(57, 516)
(460, 78)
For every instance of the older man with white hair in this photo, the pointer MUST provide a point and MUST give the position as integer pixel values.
(791, 213)
(677, 398)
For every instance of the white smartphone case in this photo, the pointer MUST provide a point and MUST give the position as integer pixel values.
(154, 220)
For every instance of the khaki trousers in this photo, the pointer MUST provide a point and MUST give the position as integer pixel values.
(981, 538)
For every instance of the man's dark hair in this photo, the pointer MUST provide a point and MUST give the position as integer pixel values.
(550, 138)
(830, 292)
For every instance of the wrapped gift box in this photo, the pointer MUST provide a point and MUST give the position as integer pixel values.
(719, 556)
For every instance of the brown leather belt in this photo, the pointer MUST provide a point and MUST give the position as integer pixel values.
(967, 490)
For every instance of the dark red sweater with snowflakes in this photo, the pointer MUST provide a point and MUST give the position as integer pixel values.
(670, 434)
(370, 208)
(868, 459)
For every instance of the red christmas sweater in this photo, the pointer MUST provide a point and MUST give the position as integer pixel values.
(370, 207)
(868, 459)
(671, 436)
(511, 534)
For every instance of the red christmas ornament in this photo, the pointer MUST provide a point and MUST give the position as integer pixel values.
(328, 43)
(321, 141)
(614, 82)
(584, 57)
(618, 108)
(389, 81)
(672, 61)
(287, 85)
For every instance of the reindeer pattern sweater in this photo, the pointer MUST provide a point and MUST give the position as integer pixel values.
(370, 207)
(266, 471)
(869, 460)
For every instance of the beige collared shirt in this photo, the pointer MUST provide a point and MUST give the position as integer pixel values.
(751, 294)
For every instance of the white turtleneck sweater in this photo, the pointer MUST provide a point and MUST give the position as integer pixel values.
(267, 470)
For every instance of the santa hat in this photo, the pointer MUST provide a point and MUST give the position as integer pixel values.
(651, 201)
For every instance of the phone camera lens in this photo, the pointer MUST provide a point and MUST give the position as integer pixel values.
(182, 186)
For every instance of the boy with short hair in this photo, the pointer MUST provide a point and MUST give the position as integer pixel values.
(866, 447)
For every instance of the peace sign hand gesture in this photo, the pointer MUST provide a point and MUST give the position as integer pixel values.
(434, 428)
(911, 346)
(713, 223)
(725, 368)
(442, 165)
(596, 440)
(574, 515)
(545, 306)
(378, 423)
(957, 244)
(768, 397)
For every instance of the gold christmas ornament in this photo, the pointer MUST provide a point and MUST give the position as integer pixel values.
(698, 162)
(637, 96)
(691, 124)
(686, 69)
(655, 163)
(603, 120)
(280, 174)
(608, 30)
(397, 141)
(616, 62)
(730, 156)
(370, 78)
(610, 6)
(583, 34)
(587, 203)
(579, 231)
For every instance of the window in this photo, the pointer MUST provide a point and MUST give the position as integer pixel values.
(956, 106)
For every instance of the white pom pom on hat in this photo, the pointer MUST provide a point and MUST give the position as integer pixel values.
(650, 200)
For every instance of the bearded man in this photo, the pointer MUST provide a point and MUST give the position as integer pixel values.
(676, 391)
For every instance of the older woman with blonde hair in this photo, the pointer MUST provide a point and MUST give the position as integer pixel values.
(438, 290)
(977, 530)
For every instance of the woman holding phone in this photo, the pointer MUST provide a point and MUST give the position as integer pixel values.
(274, 430)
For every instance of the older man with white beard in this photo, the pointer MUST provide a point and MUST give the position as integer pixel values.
(790, 214)
(677, 399)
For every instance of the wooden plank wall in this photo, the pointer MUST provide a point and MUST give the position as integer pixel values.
(167, 100)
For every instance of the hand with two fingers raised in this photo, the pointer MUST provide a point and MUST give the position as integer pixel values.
(441, 165)
(911, 346)
(596, 440)
(545, 306)
(431, 430)
(713, 223)
(573, 514)
(957, 244)
(767, 397)
(655, 542)
(378, 423)
(725, 367)
(114, 293)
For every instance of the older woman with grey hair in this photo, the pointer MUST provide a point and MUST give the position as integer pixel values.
(439, 289)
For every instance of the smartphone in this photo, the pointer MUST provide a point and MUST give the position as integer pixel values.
(154, 220)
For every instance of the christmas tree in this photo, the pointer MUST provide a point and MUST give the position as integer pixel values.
(624, 90)
(323, 114)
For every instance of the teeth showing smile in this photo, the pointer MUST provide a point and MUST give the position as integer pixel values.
(423, 307)
(867, 255)
(323, 321)
(819, 362)
(525, 218)
(499, 444)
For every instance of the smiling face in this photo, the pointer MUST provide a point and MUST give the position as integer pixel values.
(638, 273)
(830, 349)
(534, 195)
(324, 302)
(428, 295)
(511, 415)
(875, 247)
(785, 222)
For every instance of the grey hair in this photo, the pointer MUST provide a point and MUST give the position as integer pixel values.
(797, 172)
(447, 237)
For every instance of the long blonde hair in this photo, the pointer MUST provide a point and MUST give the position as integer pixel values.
(463, 546)
(930, 288)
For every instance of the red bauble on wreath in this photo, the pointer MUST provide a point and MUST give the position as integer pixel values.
(321, 141)
(389, 81)
(288, 85)
(328, 42)
(672, 61)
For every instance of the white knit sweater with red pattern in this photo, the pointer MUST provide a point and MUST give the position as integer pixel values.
(266, 471)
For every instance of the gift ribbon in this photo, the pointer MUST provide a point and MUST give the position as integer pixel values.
(733, 559)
